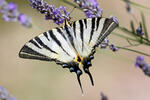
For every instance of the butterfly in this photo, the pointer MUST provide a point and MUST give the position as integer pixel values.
(72, 46)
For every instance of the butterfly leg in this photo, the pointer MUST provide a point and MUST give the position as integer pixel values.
(74, 67)
(86, 65)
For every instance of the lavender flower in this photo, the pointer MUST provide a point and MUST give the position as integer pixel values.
(104, 44)
(143, 65)
(128, 8)
(91, 7)
(24, 20)
(114, 19)
(103, 97)
(113, 48)
(10, 13)
(58, 15)
(2, 3)
(139, 31)
(4, 95)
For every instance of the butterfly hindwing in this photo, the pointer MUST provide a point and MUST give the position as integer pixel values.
(88, 34)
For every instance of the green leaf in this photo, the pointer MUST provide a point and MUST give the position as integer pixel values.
(144, 26)
(132, 27)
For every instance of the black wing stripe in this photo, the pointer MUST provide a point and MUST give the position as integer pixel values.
(45, 34)
(70, 37)
(60, 31)
(81, 32)
(106, 25)
(57, 41)
(111, 27)
(85, 22)
(33, 42)
(74, 28)
(92, 29)
(97, 23)
(28, 53)
(43, 45)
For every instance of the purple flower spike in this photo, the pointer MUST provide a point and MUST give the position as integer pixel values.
(104, 44)
(103, 97)
(2, 2)
(114, 19)
(24, 20)
(113, 48)
(58, 15)
(128, 8)
(10, 13)
(142, 65)
(4, 95)
(139, 31)
(139, 61)
(12, 6)
(90, 7)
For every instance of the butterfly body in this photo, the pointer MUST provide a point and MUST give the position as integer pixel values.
(72, 45)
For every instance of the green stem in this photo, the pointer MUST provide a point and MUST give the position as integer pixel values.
(125, 37)
(70, 3)
(131, 39)
(139, 52)
(130, 33)
(138, 5)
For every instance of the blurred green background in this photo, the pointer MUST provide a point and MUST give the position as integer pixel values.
(113, 73)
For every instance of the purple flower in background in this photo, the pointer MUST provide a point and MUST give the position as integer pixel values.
(139, 31)
(104, 44)
(103, 97)
(91, 7)
(58, 15)
(139, 61)
(128, 8)
(143, 65)
(4, 95)
(24, 20)
(10, 13)
(114, 19)
(2, 3)
(113, 47)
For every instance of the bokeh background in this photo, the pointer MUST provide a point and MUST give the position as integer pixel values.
(113, 72)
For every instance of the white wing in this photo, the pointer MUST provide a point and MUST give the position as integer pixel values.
(89, 33)
(51, 45)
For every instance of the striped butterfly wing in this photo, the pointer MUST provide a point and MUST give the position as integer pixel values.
(70, 45)
(49, 46)
(88, 34)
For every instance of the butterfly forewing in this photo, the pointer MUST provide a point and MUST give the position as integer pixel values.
(90, 32)
(51, 45)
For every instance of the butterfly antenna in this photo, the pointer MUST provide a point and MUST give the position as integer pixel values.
(79, 72)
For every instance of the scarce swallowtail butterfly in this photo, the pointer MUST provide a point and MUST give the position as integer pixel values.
(71, 46)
